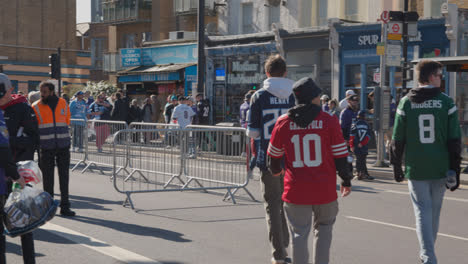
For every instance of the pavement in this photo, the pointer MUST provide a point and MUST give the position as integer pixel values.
(387, 172)
(375, 224)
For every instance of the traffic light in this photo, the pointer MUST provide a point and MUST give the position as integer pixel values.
(54, 66)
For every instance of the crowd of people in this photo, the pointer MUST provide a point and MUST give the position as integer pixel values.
(300, 143)
(118, 107)
(43, 123)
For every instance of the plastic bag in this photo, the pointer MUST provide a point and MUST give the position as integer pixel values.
(32, 209)
(30, 171)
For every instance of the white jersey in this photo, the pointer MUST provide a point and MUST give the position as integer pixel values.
(183, 114)
(343, 103)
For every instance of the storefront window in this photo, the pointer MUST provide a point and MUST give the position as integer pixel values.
(352, 76)
(244, 74)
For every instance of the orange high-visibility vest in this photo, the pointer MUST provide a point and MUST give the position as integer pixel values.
(53, 126)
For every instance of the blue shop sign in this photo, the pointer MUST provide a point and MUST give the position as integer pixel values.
(170, 54)
(153, 77)
(130, 57)
(430, 33)
(190, 79)
(159, 55)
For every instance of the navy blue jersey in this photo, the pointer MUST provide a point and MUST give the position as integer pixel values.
(347, 118)
(265, 109)
(360, 133)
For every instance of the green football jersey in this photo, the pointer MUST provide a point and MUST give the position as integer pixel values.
(425, 128)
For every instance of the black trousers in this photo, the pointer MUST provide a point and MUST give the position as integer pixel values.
(361, 165)
(27, 240)
(47, 161)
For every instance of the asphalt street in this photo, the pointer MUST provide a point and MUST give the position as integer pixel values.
(375, 225)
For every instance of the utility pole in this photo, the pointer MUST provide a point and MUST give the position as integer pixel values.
(59, 79)
(201, 49)
(378, 107)
(405, 48)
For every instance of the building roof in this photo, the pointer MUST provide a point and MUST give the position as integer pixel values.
(82, 29)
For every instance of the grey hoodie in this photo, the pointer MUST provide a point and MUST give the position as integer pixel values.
(278, 86)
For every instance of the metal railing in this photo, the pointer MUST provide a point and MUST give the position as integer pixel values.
(195, 159)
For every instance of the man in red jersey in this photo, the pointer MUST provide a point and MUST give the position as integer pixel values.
(312, 143)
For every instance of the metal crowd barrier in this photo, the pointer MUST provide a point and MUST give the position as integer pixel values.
(79, 141)
(100, 145)
(91, 144)
(195, 158)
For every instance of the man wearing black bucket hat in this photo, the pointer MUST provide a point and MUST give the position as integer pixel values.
(314, 149)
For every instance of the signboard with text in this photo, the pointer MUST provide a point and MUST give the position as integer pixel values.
(187, 53)
(130, 57)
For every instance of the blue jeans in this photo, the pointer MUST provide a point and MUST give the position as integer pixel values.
(427, 197)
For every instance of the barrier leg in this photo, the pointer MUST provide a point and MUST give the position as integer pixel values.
(128, 201)
(77, 164)
(231, 195)
(249, 194)
(172, 178)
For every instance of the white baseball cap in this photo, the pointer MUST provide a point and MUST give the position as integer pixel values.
(350, 92)
(324, 97)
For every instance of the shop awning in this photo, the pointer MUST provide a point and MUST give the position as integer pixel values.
(167, 72)
(156, 68)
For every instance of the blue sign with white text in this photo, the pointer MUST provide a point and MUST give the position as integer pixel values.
(170, 54)
(152, 77)
(130, 57)
(187, 53)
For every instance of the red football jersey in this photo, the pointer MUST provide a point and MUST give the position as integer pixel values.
(310, 176)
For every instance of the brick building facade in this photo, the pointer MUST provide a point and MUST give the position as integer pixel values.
(30, 32)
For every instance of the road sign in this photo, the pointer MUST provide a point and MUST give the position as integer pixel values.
(380, 48)
(393, 54)
(395, 30)
(376, 78)
(385, 17)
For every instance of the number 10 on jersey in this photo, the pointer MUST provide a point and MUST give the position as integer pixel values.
(302, 145)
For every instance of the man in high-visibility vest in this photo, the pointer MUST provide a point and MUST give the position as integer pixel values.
(53, 117)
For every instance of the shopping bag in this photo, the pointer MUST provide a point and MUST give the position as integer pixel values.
(27, 212)
(30, 171)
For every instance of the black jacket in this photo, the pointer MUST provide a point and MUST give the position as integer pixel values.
(19, 115)
(134, 114)
(120, 110)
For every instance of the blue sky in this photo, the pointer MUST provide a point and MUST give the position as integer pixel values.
(83, 11)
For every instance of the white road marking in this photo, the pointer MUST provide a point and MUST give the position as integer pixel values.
(445, 197)
(403, 227)
(87, 241)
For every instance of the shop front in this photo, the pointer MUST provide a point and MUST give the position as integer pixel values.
(307, 55)
(159, 70)
(232, 71)
(359, 64)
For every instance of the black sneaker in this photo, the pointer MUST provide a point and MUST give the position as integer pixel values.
(67, 212)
